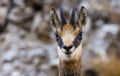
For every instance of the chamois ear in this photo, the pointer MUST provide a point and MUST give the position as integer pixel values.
(54, 18)
(82, 18)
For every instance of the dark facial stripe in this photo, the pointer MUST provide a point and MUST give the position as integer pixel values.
(59, 40)
(78, 40)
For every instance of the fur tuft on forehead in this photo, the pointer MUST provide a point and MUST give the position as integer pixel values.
(68, 28)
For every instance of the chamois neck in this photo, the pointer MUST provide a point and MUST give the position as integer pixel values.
(72, 68)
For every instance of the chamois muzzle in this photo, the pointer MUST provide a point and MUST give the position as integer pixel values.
(68, 49)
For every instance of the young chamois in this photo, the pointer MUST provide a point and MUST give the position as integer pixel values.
(69, 38)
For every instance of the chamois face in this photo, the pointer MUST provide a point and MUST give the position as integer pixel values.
(69, 33)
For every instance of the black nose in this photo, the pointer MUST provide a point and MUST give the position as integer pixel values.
(67, 47)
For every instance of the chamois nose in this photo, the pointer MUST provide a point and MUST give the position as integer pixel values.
(67, 47)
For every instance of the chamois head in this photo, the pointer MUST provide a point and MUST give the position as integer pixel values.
(69, 33)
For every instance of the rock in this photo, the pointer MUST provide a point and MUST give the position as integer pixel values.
(7, 67)
(4, 3)
(52, 3)
(10, 55)
(22, 17)
(37, 5)
(16, 15)
(54, 62)
(42, 34)
(19, 3)
(16, 73)
(3, 13)
(36, 22)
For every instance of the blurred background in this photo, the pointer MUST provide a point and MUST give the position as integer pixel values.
(28, 46)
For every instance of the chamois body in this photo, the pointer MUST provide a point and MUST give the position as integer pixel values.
(69, 38)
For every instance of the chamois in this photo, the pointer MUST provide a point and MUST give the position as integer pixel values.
(69, 38)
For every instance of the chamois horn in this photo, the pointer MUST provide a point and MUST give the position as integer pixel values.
(63, 20)
(73, 16)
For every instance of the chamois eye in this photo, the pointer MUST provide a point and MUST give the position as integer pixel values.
(80, 35)
(57, 36)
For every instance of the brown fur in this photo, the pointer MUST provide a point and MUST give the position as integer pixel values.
(68, 28)
(72, 68)
(69, 39)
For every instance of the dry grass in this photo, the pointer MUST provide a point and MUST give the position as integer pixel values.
(111, 68)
